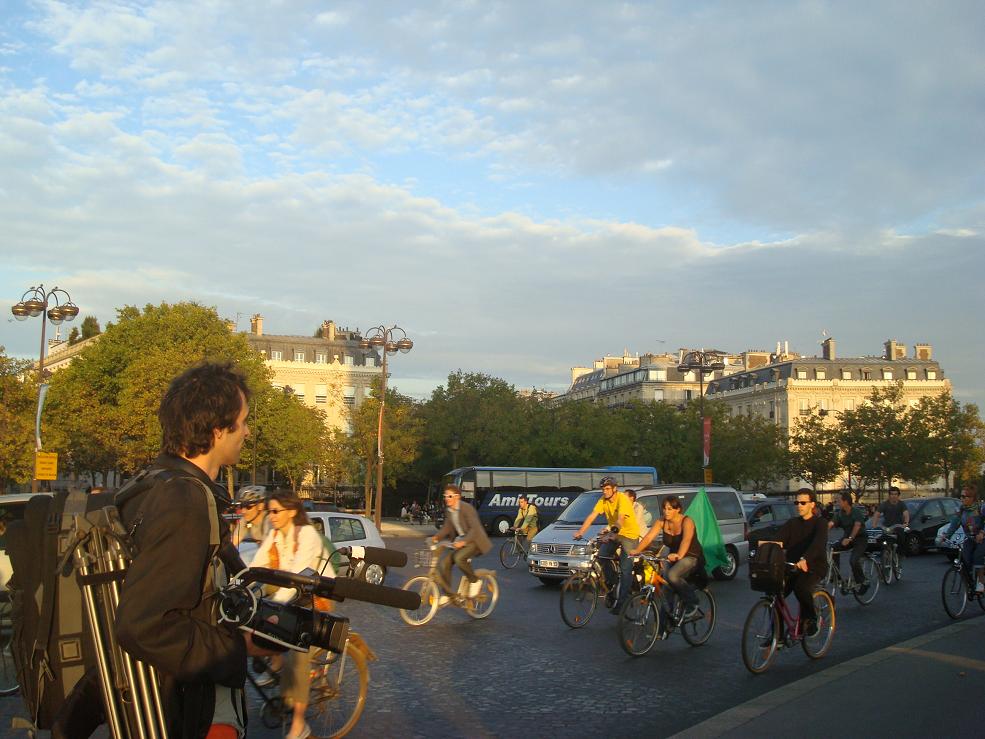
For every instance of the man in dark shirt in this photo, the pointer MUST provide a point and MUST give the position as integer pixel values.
(893, 515)
(852, 523)
(805, 539)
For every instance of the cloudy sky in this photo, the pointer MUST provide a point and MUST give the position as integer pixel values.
(522, 186)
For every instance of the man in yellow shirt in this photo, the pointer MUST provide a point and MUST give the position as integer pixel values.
(622, 533)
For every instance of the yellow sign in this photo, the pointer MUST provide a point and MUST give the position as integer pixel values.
(708, 478)
(46, 466)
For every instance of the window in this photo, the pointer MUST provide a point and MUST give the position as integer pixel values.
(866, 375)
(276, 355)
(658, 375)
(820, 374)
(321, 358)
(370, 361)
(763, 515)
(510, 481)
(824, 404)
(689, 376)
(887, 374)
(804, 407)
(846, 374)
(801, 374)
(321, 393)
(318, 524)
(951, 506)
(658, 394)
(299, 391)
(911, 374)
(298, 355)
(345, 529)
(849, 404)
(349, 395)
(542, 482)
(688, 394)
(931, 374)
(347, 360)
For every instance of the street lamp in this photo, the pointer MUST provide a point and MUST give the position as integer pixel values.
(704, 362)
(385, 339)
(33, 303)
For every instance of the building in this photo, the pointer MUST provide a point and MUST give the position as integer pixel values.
(329, 372)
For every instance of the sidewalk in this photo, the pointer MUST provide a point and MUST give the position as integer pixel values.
(931, 685)
(392, 527)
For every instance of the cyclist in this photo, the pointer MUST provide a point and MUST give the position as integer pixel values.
(805, 539)
(971, 518)
(251, 503)
(643, 518)
(526, 518)
(463, 527)
(622, 533)
(852, 523)
(894, 516)
(686, 554)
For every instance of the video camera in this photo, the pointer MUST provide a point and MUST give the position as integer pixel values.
(282, 626)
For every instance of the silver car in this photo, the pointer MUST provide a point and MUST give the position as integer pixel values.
(555, 554)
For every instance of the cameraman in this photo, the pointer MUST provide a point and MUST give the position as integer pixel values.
(292, 545)
(174, 509)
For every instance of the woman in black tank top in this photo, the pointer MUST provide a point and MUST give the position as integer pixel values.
(681, 538)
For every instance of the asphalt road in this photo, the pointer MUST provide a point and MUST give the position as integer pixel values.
(522, 672)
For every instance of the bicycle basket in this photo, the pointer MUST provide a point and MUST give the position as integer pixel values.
(767, 568)
(423, 558)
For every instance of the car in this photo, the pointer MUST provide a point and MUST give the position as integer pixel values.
(555, 554)
(343, 530)
(927, 515)
(765, 518)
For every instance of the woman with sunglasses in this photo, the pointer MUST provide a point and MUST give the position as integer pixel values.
(805, 539)
(292, 545)
(971, 518)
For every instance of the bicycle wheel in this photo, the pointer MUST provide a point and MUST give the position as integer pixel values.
(8, 671)
(338, 692)
(886, 565)
(698, 630)
(954, 593)
(579, 595)
(818, 645)
(759, 636)
(510, 554)
(639, 625)
(871, 572)
(483, 604)
(429, 593)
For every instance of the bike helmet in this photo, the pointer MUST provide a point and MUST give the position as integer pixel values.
(608, 480)
(250, 495)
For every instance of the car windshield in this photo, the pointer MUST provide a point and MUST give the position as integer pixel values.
(580, 508)
(913, 504)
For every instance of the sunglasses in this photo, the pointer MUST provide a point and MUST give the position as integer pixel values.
(275, 511)
(804, 502)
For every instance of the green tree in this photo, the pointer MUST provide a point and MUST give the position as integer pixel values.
(73, 336)
(949, 436)
(90, 327)
(814, 453)
(18, 403)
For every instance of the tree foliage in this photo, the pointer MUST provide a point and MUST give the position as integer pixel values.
(814, 453)
(18, 403)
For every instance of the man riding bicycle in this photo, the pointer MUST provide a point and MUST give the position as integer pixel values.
(852, 523)
(894, 517)
(463, 527)
(624, 534)
(526, 519)
(805, 539)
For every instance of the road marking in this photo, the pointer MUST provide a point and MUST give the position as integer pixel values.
(743, 713)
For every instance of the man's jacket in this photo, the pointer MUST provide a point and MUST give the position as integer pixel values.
(468, 519)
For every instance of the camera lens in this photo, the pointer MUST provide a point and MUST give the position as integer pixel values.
(328, 631)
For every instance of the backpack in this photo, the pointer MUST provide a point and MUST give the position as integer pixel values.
(767, 568)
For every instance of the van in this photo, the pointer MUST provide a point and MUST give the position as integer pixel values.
(555, 554)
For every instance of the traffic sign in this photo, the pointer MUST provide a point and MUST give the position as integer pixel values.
(46, 466)
(708, 478)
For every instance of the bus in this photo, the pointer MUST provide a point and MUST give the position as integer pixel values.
(494, 491)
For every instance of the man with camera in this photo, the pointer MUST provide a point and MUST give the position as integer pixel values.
(166, 615)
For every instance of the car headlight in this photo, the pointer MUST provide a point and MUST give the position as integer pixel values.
(579, 550)
(586, 564)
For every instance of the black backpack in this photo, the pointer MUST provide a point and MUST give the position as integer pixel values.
(767, 568)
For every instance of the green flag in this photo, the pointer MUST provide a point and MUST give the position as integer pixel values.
(709, 535)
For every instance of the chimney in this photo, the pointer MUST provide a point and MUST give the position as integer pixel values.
(328, 330)
(828, 348)
(923, 351)
(894, 350)
(256, 324)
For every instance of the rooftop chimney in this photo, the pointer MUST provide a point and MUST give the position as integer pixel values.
(923, 351)
(256, 324)
(895, 350)
(328, 330)
(828, 348)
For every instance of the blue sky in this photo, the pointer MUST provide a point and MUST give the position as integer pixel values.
(522, 186)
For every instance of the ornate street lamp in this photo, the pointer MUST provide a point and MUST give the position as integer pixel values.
(704, 362)
(38, 302)
(385, 339)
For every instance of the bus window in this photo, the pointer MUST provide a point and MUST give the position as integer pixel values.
(638, 478)
(468, 484)
(483, 483)
(575, 482)
(542, 482)
(597, 476)
(510, 482)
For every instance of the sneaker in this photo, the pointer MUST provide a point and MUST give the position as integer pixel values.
(474, 589)
(811, 627)
(690, 613)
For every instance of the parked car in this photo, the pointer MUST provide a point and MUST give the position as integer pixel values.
(927, 515)
(766, 518)
(555, 554)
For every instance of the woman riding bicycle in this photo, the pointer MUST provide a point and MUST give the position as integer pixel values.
(686, 554)
(971, 519)
(292, 545)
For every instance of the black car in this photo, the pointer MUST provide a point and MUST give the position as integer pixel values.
(764, 519)
(927, 515)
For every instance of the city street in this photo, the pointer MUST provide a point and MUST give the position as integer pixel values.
(522, 672)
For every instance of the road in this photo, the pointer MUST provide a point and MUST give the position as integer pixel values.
(522, 672)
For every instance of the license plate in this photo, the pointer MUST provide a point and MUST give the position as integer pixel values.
(549, 563)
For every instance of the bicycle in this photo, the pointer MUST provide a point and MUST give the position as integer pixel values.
(9, 683)
(513, 550)
(958, 587)
(433, 598)
(656, 611)
(835, 580)
(886, 544)
(770, 626)
(581, 589)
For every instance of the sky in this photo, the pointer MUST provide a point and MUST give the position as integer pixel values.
(522, 187)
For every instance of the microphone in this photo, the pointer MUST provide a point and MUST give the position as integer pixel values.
(338, 588)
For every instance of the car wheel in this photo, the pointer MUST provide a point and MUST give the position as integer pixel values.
(913, 544)
(731, 567)
(375, 574)
(501, 526)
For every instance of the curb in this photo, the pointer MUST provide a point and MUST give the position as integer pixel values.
(743, 713)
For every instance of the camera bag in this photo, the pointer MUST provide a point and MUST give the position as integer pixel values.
(766, 568)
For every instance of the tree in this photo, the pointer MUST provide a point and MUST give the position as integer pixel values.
(18, 402)
(814, 453)
(73, 336)
(950, 436)
(90, 327)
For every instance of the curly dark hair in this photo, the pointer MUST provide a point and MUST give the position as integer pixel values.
(198, 401)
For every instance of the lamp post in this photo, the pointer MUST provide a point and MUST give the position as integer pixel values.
(702, 361)
(455, 445)
(386, 339)
(35, 302)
